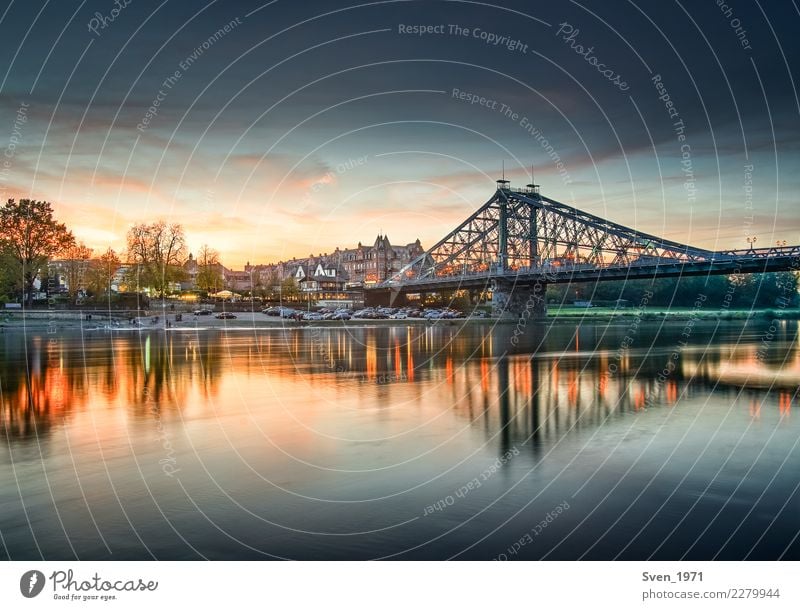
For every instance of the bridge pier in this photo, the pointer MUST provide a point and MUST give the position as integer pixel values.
(377, 297)
(511, 301)
(384, 297)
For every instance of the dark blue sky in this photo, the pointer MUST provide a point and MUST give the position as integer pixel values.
(307, 125)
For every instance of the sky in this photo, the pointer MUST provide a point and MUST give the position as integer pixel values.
(278, 129)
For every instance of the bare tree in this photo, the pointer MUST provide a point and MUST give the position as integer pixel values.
(157, 252)
(209, 272)
(76, 268)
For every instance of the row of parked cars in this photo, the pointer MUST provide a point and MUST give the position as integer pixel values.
(393, 313)
(367, 313)
(299, 314)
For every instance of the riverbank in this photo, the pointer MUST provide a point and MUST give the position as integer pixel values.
(64, 320)
(677, 313)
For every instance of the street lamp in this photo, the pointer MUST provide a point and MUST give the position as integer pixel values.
(780, 243)
(752, 241)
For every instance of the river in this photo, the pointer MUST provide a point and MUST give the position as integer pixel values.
(623, 440)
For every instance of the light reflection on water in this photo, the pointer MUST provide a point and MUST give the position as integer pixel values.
(335, 443)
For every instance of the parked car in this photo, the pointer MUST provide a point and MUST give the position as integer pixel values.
(286, 312)
(312, 316)
(400, 315)
(272, 311)
(450, 314)
(340, 315)
(203, 312)
(225, 315)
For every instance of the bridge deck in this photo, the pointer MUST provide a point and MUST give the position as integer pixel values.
(728, 263)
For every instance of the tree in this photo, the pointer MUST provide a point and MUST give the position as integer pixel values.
(289, 289)
(157, 252)
(258, 285)
(787, 284)
(102, 271)
(9, 284)
(272, 283)
(31, 235)
(766, 289)
(76, 268)
(209, 277)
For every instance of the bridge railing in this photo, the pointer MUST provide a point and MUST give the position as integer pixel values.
(564, 268)
(494, 271)
(774, 251)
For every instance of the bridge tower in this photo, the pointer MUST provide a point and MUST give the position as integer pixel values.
(502, 227)
(532, 190)
(511, 300)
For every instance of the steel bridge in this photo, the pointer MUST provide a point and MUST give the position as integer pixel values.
(520, 240)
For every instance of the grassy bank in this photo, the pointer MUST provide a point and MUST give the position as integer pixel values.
(678, 313)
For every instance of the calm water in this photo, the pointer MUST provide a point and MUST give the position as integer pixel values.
(402, 442)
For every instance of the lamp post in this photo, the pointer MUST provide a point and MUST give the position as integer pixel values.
(752, 241)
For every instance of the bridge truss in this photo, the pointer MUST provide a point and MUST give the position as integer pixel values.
(520, 233)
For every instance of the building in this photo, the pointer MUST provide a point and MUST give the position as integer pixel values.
(335, 278)
(239, 281)
(326, 283)
(192, 269)
(367, 265)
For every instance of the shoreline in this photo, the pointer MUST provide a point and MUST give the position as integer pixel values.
(72, 321)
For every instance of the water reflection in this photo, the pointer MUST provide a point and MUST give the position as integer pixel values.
(45, 380)
(558, 378)
(332, 442)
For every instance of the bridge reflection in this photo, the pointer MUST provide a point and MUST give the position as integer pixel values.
(559, 379)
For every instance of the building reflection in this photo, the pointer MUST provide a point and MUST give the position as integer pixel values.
(556, 380)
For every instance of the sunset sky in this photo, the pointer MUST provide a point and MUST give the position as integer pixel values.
(309, 125)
